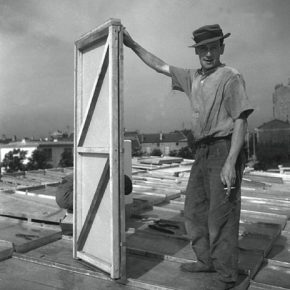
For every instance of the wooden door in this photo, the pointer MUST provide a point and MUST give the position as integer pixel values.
(99, 218)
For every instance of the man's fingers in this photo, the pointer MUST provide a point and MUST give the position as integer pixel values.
(228, 188)
(228, 191)
(223, 179)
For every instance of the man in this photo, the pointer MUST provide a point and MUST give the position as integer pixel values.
(220, 108)
(64, 192)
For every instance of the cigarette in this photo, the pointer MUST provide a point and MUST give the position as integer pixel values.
(232, 187)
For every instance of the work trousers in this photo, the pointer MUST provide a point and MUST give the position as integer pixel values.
(212, 217)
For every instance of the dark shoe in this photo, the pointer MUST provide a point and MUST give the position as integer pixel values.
(193, 267)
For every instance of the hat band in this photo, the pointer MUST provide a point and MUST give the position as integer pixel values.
(207, 35)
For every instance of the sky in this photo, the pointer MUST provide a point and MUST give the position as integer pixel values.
(37, 57)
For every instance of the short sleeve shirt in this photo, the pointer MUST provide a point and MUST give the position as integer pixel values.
(217, 99)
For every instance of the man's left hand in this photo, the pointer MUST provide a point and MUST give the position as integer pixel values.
(228, 176)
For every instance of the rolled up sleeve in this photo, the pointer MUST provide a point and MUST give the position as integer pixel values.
(181, 79)
(236, 99)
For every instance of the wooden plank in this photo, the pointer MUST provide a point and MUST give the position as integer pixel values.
(99, 126)
(145, 167)
(156, 213)
(59, 252)
(97, 86)
(167, 275)
(94, 207)
(256, 243)
(246, 215)
(246, 182)
(78, 108)
(250, 262)
(7, 187)
(41, 177)
(267, 201)
(149, 200)
(19, 181)
(96, 34)
(14, 283)
(175, 208)
(287, 227)
(263, 229)
(281, 248)
(95, 261)
(37, 199)
(267, 193)
(266, 205)
(80, 267)
(261, 217)
(26, 236)
(160, 184)
(180, 250)
(18, 274)
(116, 156)
(260, 286)
(177, 181)
(122, 163)
(261, 177)
(152, 188)
(159, 161)
(40, 191)
(141, 192)
(67, 225)
(180, 171)
(100, 150)
(159, 175)
(21, 206)
(6, 250)
(274, 273)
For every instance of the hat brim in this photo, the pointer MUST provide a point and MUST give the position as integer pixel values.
(210, 40)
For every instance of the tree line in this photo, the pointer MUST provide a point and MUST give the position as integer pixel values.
(14, 160)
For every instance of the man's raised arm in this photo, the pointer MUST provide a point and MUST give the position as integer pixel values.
(148, 58)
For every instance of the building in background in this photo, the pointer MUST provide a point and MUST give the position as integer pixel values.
(275, 131)
(53, 149)
(281, 102)
(135, 143)
(165, 142)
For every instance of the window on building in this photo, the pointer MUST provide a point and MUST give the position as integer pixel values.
(158, 144)
(177, 143)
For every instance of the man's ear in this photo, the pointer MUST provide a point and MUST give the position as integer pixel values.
(223, 49)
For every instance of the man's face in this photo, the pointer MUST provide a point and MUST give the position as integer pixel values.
(209, 54)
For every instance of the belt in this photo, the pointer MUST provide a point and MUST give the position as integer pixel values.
(211, 140)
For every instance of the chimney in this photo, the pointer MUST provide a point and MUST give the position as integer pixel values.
(161, 136)
(3, 137)
(142, 138)
(14, 139)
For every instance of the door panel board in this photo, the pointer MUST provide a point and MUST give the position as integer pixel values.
(99, 222)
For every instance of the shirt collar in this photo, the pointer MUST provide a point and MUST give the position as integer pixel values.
(200, 71)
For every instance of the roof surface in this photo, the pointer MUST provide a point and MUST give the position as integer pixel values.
(274, 124)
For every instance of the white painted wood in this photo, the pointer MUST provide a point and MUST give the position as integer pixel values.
(99, 218)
